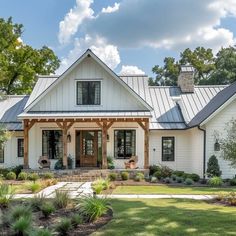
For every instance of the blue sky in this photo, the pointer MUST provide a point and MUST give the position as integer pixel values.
(131, 36)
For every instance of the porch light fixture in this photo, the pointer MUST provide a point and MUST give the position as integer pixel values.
(217, 146)
(68, 138)
(108, 138)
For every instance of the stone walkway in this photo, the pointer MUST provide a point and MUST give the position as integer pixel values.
(80, 189)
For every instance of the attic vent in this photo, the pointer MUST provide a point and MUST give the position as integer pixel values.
(186, 79)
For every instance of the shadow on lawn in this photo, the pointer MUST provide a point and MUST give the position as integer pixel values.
(163, 217)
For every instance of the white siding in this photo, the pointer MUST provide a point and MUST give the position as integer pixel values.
(10, 152)
(188, 150)
(218, 124)
(113, 95)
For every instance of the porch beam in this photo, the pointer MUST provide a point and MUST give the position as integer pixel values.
(26, 144)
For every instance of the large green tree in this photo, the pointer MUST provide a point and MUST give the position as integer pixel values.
(19, 63)
(209, 69)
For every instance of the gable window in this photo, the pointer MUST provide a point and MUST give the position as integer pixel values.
(52, 144)
(124, 145)
(1, 152)
(20, 147)
(88, 92)
(168, 149)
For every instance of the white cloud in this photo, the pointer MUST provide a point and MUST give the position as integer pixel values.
(110, 9)
(106, 52)
(73, 19)
(131, 70)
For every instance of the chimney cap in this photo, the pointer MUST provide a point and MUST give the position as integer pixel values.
(186, 68)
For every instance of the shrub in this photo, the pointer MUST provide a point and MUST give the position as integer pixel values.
(76, 219)
(173, 177)
(43, 232)
(3, 172)
(92, 207)
(63, 226)
(153, 179)
(17, 169)
(47, 209)
(231, 198)
(153, 169)
(139, 177)
(6, 194)
(178, 173)
(166, 171)
(215, 181)
(48, 175)
(213, 168)
(124, 175)
(22, 226)
(110, 163)
(220, 197)
(37, 201)
(188, 181)
(11, 175)
(179, 179)
(61, 199)
(106, 184)
(232, 182)
(100, 184)
(167, 180)
(22, 176)
(34, 187)
(19, 211)
(97, 188)
(157, 174)
(33, 176)
(112, 176)
(195, 177)
(186, 176)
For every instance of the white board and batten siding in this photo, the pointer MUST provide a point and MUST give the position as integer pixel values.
(188, 150)
(113, 95)
(218, 124)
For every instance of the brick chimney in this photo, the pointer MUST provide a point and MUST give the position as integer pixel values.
(186, 79)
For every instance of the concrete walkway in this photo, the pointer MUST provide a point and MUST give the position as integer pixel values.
(80, 189)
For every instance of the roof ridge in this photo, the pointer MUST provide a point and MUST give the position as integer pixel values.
(133, 75)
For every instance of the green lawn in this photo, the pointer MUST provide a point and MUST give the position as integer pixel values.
(164, 189)
(169, 217)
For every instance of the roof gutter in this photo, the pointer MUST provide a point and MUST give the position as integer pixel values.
(204, 151)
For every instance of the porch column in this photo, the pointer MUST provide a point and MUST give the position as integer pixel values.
(26, 143)
(104, 145)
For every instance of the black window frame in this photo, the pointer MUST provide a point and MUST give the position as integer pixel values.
(2, 159)
(60, 149)
(90, 101)
(166, 157)
(20, 147)
(125, 156)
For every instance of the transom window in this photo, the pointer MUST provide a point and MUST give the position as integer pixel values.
(88, 92)
(20, 147)
(168, 148)
(124, 145)
(52, 144)
(1, 152)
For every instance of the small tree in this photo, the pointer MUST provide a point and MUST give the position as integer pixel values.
(4, 135)
(228, 144)
(213, 168)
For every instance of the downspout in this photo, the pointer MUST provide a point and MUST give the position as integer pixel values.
(204, 150)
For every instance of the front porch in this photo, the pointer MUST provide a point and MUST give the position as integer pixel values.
(81, 137)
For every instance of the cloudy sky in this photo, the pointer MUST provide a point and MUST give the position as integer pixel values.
(130, 36)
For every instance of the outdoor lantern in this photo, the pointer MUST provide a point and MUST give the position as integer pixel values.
(68, 138)
(108, 138)
(217, 145)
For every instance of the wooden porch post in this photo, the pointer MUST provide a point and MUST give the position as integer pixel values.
(104, 145)
(65, 162)
(26, 144)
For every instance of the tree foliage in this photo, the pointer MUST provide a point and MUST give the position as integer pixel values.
(228, 144)
(19, 63)
(213, 168)
(209, 69)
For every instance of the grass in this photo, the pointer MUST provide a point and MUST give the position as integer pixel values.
(169, 217)
(164, 189)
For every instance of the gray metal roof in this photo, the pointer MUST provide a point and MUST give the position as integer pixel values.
(213, 105)
(10, 108)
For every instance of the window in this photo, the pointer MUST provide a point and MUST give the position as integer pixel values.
(88, 93)
(20, 147)
(124, 143)
(168, 148)
(52, 144)
(1, 153)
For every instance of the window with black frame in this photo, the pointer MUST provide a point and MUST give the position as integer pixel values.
(88, 92)
(124, 143)
(168, 148)
(1, 152)
(52, 144)
(20, 147)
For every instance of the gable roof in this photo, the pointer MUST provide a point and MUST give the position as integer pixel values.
(217, 102)
(39, 93)
(11, 107)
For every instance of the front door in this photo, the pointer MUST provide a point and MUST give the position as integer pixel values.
(87, 148)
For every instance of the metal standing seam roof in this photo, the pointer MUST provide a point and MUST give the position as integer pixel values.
(10, 108)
